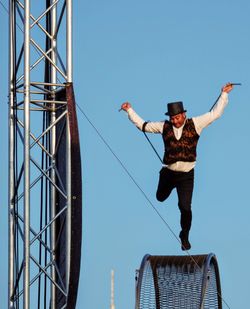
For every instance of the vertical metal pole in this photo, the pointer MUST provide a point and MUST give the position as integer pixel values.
(26, 298)
(68, 150)
(112, 301)
(12, 39)
(69, 42)
(68, 228)
(53, 146)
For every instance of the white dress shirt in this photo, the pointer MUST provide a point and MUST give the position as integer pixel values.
(200, 123)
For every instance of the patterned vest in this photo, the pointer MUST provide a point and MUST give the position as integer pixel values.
(183, 149)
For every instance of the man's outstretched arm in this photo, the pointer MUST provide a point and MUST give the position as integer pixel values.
(217, 110)
(151, 127)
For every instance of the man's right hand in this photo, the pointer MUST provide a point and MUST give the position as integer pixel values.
(125, 106)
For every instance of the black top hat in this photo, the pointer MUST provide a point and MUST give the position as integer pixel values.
(175, 108)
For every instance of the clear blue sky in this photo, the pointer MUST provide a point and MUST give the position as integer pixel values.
(150, 53)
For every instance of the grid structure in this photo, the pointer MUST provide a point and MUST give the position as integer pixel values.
(44, 157)
(178, 282)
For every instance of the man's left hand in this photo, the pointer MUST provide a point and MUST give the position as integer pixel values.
(227, 88)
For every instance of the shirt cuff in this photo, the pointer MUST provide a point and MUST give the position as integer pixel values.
(130, 110)
(224, 95)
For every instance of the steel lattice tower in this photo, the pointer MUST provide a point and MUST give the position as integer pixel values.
(44, 158)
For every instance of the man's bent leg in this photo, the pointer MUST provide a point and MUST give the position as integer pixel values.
(165, 184)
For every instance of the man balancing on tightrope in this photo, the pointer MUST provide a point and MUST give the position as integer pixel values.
(180, 136)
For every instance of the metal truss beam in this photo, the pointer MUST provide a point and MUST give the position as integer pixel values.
(40, 181)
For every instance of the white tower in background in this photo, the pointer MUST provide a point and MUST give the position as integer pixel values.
(112, 302)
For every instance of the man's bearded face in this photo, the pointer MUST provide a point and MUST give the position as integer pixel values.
(178, 120)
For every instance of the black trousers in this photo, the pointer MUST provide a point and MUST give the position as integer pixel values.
(184, 184)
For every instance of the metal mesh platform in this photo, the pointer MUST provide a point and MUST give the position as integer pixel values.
(167, 282)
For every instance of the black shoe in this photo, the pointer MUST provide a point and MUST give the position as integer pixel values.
(185, 244)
